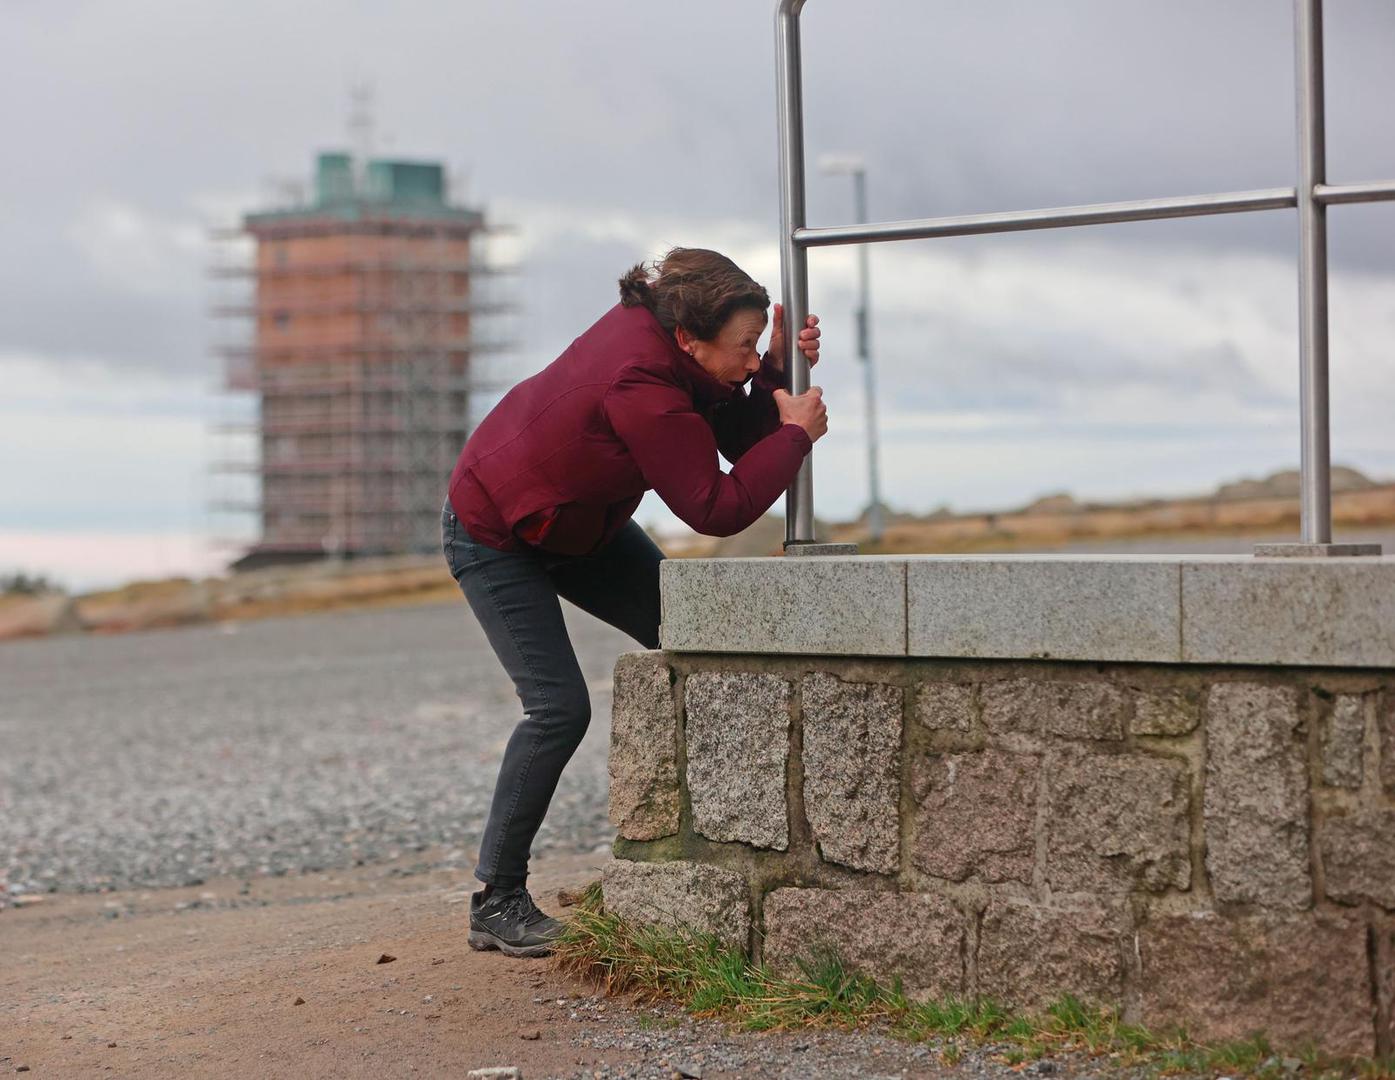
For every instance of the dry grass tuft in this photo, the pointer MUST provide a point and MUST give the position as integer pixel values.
(711, 979)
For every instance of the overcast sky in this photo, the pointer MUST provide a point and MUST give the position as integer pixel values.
(1152, 358)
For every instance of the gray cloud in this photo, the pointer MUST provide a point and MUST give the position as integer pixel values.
(609, 108)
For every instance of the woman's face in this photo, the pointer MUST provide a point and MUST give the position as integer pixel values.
(731, 356)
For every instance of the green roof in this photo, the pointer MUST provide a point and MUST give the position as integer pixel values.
(410, 190)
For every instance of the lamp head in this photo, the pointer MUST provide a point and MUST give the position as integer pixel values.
(841, 164)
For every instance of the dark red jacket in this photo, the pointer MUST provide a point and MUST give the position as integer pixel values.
(563, 460)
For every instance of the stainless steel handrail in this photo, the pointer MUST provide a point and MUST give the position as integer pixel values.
(1311, 197)
(1053, 218)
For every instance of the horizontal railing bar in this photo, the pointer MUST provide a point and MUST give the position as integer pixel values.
(1022, 220)
(1370, 191)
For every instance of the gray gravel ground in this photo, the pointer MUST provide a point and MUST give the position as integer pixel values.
(665, 1043)
(268, 747)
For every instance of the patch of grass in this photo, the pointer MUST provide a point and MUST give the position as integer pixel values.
(952, 1016)
(711, 979)
(1244, 1055)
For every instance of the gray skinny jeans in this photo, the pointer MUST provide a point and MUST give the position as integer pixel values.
(515, 596)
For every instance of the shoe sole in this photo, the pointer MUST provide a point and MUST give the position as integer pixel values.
(483, 941)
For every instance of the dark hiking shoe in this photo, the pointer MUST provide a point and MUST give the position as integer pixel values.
(511, 922)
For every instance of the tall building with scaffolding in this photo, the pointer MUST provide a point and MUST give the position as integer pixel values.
(360, 354)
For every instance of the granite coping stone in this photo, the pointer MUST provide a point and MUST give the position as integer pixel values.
(1323, 611)
(848, 605)
(993, 608)
(1192, 609)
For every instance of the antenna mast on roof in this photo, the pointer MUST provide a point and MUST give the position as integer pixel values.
(361, 96)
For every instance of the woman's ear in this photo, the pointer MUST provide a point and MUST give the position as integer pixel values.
(685, 340)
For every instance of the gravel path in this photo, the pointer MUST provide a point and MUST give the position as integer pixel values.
(270, 747)
(661, 1042)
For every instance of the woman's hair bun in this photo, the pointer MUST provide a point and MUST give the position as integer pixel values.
(634, 288)
(694, 288)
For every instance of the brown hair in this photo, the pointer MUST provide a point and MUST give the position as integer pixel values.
(693, 288)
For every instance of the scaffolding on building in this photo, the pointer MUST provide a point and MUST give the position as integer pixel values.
(362, 357)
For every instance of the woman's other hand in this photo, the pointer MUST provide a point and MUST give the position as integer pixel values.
(808, 339)
(807, 410)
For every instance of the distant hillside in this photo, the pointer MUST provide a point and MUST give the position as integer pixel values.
(1268, 504)
(1238, 508)
(1285, 485)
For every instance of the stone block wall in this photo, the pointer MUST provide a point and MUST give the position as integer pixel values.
(1211, 847)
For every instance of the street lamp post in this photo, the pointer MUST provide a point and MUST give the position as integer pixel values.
(853, 166)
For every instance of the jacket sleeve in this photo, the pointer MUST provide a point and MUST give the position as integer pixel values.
(676, 451)
(742, 422)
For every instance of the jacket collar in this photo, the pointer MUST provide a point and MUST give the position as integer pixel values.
(706, 389)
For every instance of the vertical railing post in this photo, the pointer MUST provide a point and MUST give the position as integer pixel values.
(794, 260)
(1315, 458)
(864, 353)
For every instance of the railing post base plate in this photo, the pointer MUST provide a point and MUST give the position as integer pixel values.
(1313, 551)
(810, 547)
